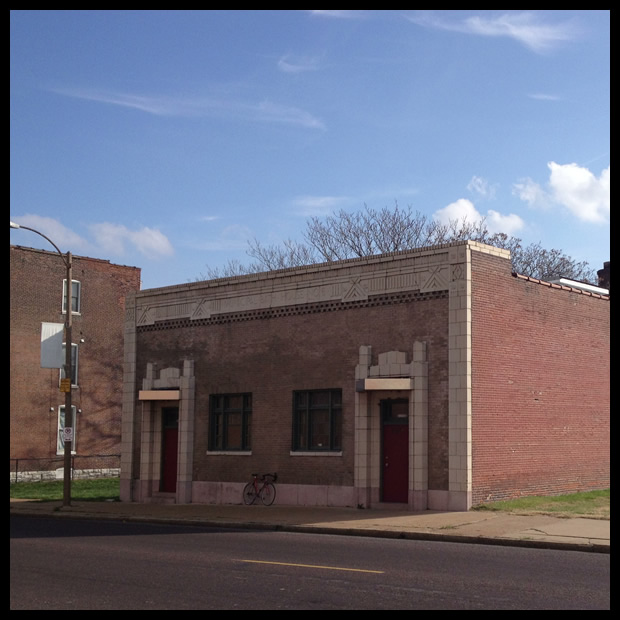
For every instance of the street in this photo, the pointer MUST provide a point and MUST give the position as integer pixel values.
(83, 564)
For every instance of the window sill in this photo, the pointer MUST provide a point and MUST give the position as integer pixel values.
(317, 453)
(229, 453)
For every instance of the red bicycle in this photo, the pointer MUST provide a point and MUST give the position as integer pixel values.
(261, 486)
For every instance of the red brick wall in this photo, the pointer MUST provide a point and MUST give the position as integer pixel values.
(36, 296)
(540, 377)
(271, 357)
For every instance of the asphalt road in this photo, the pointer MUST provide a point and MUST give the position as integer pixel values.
(74, 564)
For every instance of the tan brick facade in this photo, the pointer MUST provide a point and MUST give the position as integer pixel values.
(381, 331)
(36, 296)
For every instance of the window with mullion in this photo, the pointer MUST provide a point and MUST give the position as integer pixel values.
(230, 421)
(317, 420)
(76, 288)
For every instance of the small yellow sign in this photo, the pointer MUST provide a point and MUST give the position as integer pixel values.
(65, 385)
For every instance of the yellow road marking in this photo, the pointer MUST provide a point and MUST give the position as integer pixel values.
(356, 570)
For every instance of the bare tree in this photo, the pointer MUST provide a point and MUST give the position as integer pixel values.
(368, 232)
(229, 270)
(289, 254)
(537, 262)
(364, 233)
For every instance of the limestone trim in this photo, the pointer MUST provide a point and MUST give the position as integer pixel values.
(270, 313)
(392, 368)
(459, 495)
(128, 419)
(339, 283)
(158, 386)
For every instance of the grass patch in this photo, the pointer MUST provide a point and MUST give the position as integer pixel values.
(95, 490)
(591, 504)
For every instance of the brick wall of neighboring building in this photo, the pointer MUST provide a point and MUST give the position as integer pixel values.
(540, 386)
(36, 296)
(304, 350)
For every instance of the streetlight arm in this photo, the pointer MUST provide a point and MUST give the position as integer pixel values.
(16, 225)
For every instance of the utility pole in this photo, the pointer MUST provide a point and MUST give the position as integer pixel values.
(68, 434)
(65, 385)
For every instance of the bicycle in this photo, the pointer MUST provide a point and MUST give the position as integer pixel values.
(266, 491)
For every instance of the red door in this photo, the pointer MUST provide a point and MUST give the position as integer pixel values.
(395, 452)
(170, 449)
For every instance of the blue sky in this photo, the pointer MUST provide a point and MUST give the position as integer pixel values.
(168, 139)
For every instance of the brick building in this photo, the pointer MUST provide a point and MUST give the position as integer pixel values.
(99, 289)
(427, 379)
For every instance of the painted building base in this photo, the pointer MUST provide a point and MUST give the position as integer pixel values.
(305, 495)
(317, 495)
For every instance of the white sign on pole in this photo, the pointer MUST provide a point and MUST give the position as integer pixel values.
(51, 345)
(67, 434)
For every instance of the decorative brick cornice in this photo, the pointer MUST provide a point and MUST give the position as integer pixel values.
(313, 288)
(296, 310)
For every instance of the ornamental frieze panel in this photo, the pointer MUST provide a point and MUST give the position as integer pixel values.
(356, 282)
(356, 291)
(435, 279)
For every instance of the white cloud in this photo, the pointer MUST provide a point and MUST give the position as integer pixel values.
(464, 209)
(532, 193)
(233, 237)
(544, 97)
(151, 242)
(206, 106)
(481, 187)
(151, 104)
(525, 28)
(574, 187)
(113, 239)
(61, 236)
(301, 64)
(509, 224)
(458, 210)
(273, 112)
(319, 205)
(344, 14)
(109, 239)
(580, 191)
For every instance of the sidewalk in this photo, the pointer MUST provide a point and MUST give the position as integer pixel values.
(497, 528)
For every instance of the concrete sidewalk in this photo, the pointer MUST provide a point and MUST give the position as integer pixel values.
(483, 527)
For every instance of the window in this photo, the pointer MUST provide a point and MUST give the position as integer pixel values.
(60, 442)
(317, 420)
(230, 422)
(74, 364)
(76, 288)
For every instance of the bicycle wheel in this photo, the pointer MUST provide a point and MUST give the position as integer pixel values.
(268, 493)
(249, 493)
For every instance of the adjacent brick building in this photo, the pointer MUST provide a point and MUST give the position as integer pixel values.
(99, 290)
(427, 379)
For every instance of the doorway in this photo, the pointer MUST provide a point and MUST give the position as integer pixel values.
(170, 449)
(395, 450)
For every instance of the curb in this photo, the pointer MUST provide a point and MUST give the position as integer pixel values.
(309, 529)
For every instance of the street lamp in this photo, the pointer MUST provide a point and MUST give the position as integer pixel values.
(66, 492)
